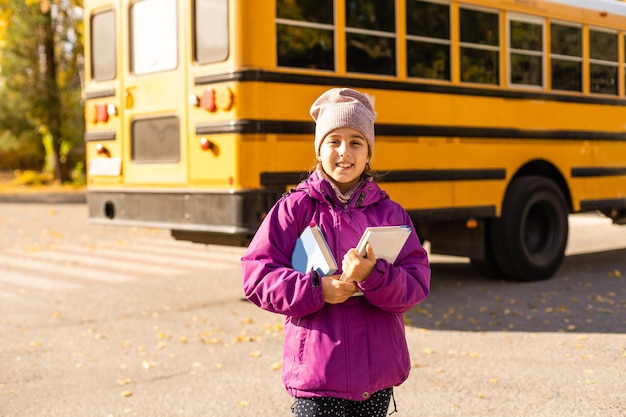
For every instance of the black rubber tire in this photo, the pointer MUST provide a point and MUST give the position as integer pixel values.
(528, 241)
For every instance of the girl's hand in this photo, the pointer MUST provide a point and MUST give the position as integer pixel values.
(357, 268)
(335, 291)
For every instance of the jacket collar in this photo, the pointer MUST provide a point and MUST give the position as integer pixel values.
(319, 188)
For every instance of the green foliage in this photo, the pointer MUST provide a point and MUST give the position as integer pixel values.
(40, 86)
(30, 177)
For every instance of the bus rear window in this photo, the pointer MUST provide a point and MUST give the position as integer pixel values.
(103, 43)
(210, 31)
(154, 36)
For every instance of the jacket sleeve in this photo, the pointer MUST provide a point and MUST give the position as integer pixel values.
(269, 281)
(399, 287)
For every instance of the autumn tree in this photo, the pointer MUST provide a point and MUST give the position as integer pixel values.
(40, 101)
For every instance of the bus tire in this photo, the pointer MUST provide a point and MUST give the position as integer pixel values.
(529, 239)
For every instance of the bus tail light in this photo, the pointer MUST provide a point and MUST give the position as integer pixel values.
(104, 111)
(207, 102)
(102, 115)
(102, 150)
(208, 145)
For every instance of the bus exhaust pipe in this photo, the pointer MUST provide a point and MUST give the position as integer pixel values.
(109, 210)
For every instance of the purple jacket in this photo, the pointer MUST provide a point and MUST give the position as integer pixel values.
(348, 350)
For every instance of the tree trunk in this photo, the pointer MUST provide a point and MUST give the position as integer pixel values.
(52, 96)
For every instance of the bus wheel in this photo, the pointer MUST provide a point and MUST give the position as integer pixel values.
(529, 239)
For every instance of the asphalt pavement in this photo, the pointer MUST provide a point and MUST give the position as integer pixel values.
(189, 345)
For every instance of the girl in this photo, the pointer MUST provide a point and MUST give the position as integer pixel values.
(342, 353)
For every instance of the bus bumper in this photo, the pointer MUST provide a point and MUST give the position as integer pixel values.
(229, 217)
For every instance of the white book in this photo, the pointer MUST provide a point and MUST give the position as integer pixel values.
(386, 241)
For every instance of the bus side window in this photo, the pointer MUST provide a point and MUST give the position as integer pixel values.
(566, 47)
(371, 36)
(480, 53)
(603, 62)
(526, 52)
(428, 40)
(305, 36)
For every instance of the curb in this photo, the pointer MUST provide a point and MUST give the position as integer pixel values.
(44, 198)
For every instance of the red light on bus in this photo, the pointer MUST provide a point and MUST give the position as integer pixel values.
(205, 144)
(208, 145)
(207, 102)
(102, 113)
(101, 149)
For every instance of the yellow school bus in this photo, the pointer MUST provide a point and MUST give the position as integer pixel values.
(496, 118)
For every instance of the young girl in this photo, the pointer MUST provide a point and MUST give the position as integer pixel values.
(342, 353)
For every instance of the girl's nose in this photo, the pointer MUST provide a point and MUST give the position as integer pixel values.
(343, 148)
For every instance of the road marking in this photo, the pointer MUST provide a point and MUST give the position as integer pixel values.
(69, 267)
(26, 262)
(21, 279)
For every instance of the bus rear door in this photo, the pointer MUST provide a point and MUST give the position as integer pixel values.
(155, 92)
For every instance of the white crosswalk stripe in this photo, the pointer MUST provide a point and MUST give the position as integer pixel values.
(68, 266)
(26, 280)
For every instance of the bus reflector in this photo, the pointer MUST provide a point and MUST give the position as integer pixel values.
(471, 224)
(225, 99)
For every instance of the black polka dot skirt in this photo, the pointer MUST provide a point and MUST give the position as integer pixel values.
(376, 406)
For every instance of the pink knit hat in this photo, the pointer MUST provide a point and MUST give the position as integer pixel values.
(342, 107)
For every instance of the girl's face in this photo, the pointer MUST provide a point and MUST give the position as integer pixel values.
(344, 152)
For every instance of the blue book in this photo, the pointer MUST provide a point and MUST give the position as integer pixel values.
(312, 252)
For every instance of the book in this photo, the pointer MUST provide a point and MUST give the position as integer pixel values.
(387, 242)
(312, 252)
